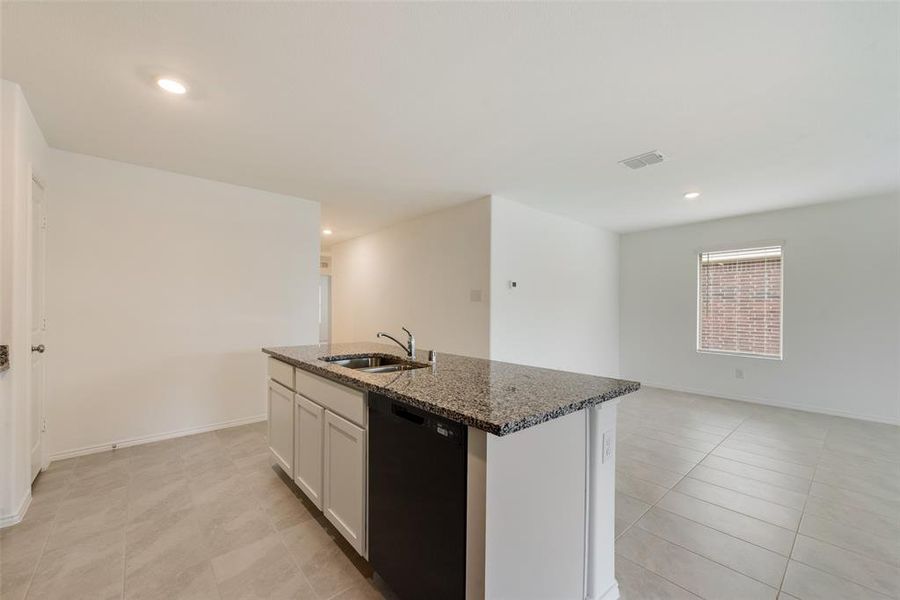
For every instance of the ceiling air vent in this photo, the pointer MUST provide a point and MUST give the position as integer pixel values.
(642, 160)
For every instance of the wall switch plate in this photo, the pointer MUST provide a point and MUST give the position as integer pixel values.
(739, 373)
(607, 450)
(513, 284)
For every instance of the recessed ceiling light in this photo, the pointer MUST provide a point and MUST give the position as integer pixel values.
(172, 86)
(691, 195)
(327, 232)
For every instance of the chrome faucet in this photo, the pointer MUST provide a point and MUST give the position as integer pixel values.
(410, 346)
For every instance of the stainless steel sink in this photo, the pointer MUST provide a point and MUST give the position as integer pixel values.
(371, 363)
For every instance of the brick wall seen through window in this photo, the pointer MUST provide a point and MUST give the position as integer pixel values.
(739, 303)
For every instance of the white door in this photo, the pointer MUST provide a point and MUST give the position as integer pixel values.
(38, 325)
(309, 420)
(345, 479)
(324, 308)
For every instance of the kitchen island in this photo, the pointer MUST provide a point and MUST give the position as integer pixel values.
(538, 468)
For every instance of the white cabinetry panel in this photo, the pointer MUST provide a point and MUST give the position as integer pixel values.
(345, 479)
(281, 426)
(309, 422)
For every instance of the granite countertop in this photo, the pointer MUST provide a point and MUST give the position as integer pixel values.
(4, 358)
(494, 396)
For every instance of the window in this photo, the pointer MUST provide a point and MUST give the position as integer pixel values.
(739, 302)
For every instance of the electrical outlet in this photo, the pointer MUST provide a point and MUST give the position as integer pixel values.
(607, 447)
(738, 373)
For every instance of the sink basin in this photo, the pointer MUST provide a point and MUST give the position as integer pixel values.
(373, 363)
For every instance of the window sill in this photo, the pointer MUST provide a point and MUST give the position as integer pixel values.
(740, 354)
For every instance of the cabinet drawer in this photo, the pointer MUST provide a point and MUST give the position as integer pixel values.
(281, 372)
(339, 399)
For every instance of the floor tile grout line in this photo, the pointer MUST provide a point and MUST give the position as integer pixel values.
(46, 541)
(850, 550)
(725, 487)
(626, 442)
(695, 595)
(731, 535)
(760, 456)
(762, 440)
(641, 479)
(755, 480)
(847, 506)
(671, 432)
(649, 437)
(808, 482)
(797, 531)
(784, 460)
(733, 509)
(712, 560)
(856, 491)
(294, 560)
(841, 577)
(663, 496)
(661, 468)
(769, 437)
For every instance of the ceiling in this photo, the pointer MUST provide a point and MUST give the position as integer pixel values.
(385, 111)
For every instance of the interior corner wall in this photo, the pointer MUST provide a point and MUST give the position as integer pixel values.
(23, 154)
(563, 312)
(841, 309)
(430, 274)
(161, 290)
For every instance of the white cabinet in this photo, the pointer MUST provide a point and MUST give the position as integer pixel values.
(281, 426)
(344, 498)
(309, 423)
(318, 437)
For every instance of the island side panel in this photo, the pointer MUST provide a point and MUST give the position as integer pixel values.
(536, 518)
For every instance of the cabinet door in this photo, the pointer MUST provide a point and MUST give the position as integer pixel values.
(309, 423)
(281, 426)
(345, 479)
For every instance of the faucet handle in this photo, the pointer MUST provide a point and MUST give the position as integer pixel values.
(408, 332)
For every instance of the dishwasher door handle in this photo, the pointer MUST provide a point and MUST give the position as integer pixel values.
(401, 411)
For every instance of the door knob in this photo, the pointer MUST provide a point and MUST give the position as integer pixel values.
(39, 348)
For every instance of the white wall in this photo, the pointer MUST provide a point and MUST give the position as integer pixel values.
(24, 154)
(841, 309)
(420, 274)
(161, 290)
(563, 314)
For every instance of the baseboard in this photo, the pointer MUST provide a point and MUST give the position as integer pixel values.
(10, 520)
(776, 403)
(157, 437)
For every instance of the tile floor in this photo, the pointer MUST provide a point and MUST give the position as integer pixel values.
(722, 499)
(203, 517)
(715, 499)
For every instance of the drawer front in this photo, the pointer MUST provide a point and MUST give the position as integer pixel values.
(281, 372)
(339, 399)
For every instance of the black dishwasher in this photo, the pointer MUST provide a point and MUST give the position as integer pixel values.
(417, 500)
